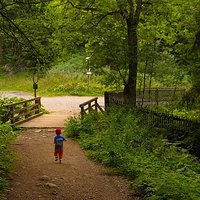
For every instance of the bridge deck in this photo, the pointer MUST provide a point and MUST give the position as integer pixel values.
(51, 120)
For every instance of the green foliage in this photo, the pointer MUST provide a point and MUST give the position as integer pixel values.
(177, 109)
(25, 35)
(75, 65)
(7, 134)
(111, 79)
(4, 111)
(73, 128)
(55, 31)
(160, 169)
(192, 142)
(191, 100)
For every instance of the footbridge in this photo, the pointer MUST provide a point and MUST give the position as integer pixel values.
(47, 112)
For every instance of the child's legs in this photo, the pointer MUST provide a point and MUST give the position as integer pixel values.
(60, 154)
(56, 153)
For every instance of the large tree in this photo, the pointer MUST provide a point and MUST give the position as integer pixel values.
(111, 29)
(109, 15)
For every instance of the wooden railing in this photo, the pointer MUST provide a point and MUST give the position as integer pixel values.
(161, 120)
(161, 94)
(149, 96)
(23, 111)
(90, 106)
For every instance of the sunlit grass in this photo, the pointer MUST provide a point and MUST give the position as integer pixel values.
(54, 85)
(20, 82)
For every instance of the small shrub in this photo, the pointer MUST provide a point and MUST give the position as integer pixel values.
(73, 128)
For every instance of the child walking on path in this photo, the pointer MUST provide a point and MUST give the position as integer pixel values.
(58, 141)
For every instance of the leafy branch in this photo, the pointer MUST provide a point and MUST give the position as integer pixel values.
(22, 3)
(15, 28)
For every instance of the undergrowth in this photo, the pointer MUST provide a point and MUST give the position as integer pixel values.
(162, 170)
(7, 134)
(177, 110)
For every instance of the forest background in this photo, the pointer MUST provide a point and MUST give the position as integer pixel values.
(155, 42)
(61, 40)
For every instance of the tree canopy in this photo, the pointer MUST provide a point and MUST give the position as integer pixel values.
(129, 36)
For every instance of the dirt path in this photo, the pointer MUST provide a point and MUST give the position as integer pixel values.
(38, 177)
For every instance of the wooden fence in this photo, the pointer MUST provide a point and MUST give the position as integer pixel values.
(22, 111)
(90, 106)
(168, 121)
(158, 119)
(161, 94)
(149, 96)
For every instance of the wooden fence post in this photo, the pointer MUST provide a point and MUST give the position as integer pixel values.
(106, 100)
(37, 104)
(95, 105)
(12, 115)
(82, 111)
(26, 110)
(156, 96)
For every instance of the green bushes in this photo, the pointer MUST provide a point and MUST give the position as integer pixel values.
(7, 134)
(4, 111)
(6, 156)
(120, 139)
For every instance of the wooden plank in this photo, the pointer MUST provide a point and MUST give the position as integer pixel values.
(100, 108)
(29, 118)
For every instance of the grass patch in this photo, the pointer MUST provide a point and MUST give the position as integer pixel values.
(64, 78)
(18, 82)
(160, 169)
(55, 85)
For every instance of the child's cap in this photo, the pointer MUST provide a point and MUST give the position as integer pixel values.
(58, 131)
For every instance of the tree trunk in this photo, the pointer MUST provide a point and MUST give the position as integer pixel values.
(130, 87)
(132, 21)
